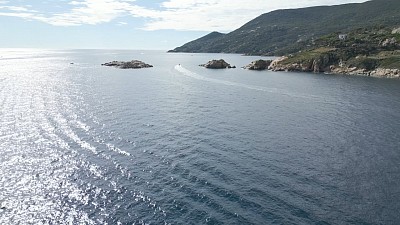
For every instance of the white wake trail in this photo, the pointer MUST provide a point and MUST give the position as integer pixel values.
(278, 91)
(194, 75)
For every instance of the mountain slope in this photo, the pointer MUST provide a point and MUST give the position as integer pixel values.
(200, 45)
(279, 32)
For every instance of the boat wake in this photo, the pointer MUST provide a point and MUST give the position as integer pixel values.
(194, 75)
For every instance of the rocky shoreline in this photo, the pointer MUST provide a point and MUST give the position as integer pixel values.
(319, 66)
(373, 51)
(324, 63)
(379, 72)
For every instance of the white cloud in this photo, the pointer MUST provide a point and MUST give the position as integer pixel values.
(89, 12)
(15, 8)
(122, 23)
(17, 11)
(199, 15)
(21, 15)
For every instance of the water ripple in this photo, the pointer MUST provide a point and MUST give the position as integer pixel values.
(85, 145)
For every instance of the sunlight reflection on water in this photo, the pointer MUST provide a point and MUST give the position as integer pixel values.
(85, 144)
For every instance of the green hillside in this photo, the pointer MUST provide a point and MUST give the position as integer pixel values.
(197, 45)
(283, 31)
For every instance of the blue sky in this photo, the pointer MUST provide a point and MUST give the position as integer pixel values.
(127, 24)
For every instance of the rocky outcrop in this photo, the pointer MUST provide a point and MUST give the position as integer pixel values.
(258, 65)
(389, 42)
(323, 62)
(317, 64)
(134, 64)
(389, 73)
(217, 64)
(276, 64)
(378, 72)
(396, 31)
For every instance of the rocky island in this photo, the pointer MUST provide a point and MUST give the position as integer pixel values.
(134, 64)
(217, 64)
(365, 51)
(258, 65)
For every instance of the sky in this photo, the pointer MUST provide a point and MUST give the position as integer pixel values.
(128, 24)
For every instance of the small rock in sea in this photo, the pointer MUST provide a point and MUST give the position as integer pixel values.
(217, 64)
(134, 64)
(258, 65)
(71, 63)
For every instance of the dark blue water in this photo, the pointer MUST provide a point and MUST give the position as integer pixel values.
(85, 144)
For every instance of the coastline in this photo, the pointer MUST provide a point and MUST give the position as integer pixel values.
(314, 67)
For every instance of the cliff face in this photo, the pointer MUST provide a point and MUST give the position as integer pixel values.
(315, 62)
(286, 31)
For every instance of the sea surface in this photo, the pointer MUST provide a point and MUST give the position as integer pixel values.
(180, 144)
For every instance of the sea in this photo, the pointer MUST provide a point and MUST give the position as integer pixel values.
(81, 143)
